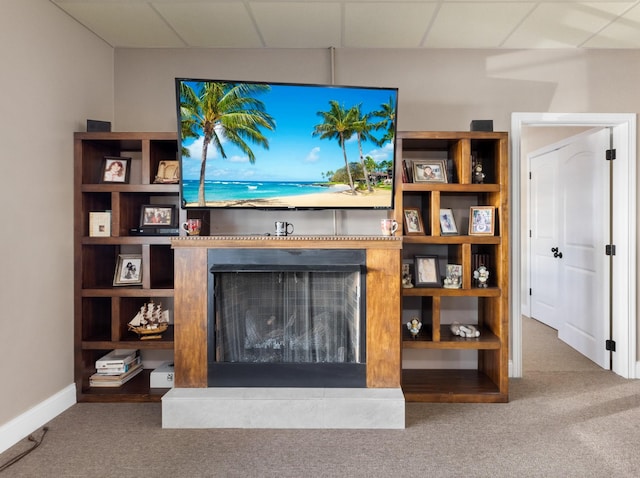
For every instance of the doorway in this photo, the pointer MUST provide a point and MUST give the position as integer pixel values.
(568, 230)
(623, 303)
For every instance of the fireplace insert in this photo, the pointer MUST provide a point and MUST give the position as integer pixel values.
(287, 318)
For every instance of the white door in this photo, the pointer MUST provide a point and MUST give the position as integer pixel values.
(544, 226)
(576, 265)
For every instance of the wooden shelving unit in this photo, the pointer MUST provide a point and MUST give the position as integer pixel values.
(102, 310)
(488, 381)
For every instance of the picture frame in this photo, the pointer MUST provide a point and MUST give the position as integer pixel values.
(430, 171)
(427, 271)
(100, 224)
(413, 221)
(448, 225)
(158, 215)
(482, 221)
(128, 270)
(115, 169)
(453, 277)
(168, 172)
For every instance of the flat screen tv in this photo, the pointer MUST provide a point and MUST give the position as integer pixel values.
(247, 144)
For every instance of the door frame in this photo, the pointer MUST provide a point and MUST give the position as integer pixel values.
(624, 226)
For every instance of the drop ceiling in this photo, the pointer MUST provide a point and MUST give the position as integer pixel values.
(509, 24)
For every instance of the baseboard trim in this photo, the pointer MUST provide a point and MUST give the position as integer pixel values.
(21, 426)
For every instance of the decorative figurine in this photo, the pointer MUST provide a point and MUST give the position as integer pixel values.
(466, 331)
(481, 275)
(414, 327)
(478, 175)
(406, 277)
(453, 280)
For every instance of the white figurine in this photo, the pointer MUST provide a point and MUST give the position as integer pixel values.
(414, 327)
(465, 331)
(481, 274)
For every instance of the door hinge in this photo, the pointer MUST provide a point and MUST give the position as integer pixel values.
(530, 292)
(611, 154)
(610, 345)
(610, 250)
(529, 174)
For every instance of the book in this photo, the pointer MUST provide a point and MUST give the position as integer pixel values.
(120, 369)
(100, 224)
(117, 358)
(99, 380)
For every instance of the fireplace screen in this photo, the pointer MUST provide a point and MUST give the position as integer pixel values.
(288, 317)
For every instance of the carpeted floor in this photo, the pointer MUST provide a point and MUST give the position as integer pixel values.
(566, 418)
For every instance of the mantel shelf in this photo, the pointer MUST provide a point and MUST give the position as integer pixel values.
(293, 242)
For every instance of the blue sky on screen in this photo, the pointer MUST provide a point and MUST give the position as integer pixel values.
(294, 154)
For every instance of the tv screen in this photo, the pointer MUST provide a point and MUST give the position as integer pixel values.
(285, 146)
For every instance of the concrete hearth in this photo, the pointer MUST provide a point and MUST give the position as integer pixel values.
(347, 408)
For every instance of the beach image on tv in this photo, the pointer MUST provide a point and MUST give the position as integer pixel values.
(260, 145)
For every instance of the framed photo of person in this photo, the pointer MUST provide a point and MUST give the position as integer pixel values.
(158, 215)
(413, 221)
(128, 270)
(430, 171)
(427, 271)
(482, 221)
(115, 170)
(448, 223)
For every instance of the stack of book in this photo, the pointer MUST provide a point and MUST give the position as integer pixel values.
(116, 368)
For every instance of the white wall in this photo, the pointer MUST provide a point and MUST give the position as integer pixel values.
(55, 75)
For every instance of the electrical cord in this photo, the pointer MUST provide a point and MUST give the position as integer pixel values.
(36, 444)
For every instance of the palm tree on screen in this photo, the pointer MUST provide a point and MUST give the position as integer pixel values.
(222, 112)
(363, 128)
(338, 124)
(387, 115)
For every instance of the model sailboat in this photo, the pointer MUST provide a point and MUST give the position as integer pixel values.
(150, 322)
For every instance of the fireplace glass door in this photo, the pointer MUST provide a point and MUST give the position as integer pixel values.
(290, 327)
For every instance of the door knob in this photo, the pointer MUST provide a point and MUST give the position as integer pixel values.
(556, 254)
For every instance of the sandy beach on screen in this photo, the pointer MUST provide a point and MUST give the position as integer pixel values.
(377, 198)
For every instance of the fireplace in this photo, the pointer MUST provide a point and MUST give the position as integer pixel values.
(286, 318)
(370, 350)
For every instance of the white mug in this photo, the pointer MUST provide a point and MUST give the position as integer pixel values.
(192, 226)
(388, 227)
(283, 228)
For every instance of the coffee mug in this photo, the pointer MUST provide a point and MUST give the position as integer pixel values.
(192, 226)
(283, 228)
(388, 227)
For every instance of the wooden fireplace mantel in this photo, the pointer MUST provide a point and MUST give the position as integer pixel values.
(383, 299)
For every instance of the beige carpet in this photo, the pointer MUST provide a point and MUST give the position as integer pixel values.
(542, 351)
(565, 418)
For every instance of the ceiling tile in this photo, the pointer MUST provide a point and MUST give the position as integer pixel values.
(298, 24)
(386, 24)
(624, 32)
(476, 25)
(211, 24)
(563, 25)
(123, 24)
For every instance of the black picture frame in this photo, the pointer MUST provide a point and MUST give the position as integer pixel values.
(427, 271)
(158, 215)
